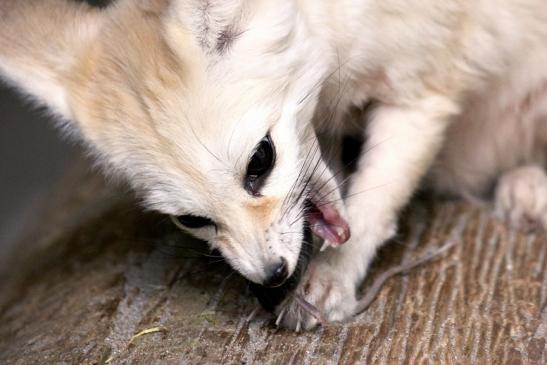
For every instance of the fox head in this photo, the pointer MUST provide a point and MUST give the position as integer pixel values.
(204, 107)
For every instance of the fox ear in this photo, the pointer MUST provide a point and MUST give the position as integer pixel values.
(40, 44)
(211, 22)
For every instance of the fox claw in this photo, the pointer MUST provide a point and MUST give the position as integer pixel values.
(280, 317)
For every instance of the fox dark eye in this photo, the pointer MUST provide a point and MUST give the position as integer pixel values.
(260, 165)
(194, 221)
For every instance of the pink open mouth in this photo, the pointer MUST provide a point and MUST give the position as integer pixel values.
(325, 222)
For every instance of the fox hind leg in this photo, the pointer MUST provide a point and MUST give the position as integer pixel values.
(521, 198)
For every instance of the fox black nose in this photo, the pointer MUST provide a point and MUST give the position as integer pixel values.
(277, 274)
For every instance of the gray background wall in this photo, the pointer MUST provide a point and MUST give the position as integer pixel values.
(33, 156)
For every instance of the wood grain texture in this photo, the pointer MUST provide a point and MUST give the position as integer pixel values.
(96, 272)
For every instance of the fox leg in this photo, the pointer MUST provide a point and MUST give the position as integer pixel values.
(521, 198)
(402, 144)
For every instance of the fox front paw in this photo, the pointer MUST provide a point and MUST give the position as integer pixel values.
(324, 295)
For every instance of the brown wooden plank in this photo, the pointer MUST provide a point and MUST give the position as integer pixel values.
(97, 271)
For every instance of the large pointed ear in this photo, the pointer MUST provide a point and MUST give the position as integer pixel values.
(41, 42)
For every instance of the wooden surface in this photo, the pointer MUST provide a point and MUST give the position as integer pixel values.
(96, 272)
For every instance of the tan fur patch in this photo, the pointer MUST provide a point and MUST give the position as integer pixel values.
(262, 208)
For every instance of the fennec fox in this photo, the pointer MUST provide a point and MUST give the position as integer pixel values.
(227, 114)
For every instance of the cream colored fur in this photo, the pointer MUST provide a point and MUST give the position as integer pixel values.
(174, 96)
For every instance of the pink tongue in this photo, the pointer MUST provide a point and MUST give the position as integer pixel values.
(325, 222)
